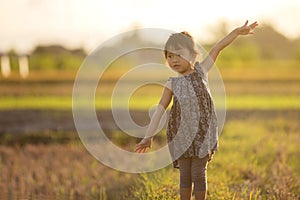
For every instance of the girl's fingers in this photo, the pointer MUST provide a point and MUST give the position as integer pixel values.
(137, 148)
(248, 29)
(141, 149)
(253, 25)
(140, 145)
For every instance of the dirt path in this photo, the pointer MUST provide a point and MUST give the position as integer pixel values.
(36, 121)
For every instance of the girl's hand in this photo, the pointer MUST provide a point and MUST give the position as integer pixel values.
(144, 145)
(245, 29)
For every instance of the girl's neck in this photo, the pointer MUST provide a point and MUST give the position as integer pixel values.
(189, 71)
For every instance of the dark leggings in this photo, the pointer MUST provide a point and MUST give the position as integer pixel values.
(193, 170)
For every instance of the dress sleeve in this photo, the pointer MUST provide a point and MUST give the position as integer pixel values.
(207, 64)
(200, 68)
(169, 84)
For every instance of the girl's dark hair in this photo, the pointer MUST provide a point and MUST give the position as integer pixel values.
(179, 41)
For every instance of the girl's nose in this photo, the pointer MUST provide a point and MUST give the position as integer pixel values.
(175, 58)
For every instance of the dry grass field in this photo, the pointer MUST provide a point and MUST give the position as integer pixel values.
(41, 156)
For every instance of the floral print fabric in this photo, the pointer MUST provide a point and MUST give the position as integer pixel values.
(192, 126)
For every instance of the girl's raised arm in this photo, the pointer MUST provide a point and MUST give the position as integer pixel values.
(228, 39)
(164, 102)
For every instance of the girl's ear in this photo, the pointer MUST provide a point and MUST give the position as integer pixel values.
(194, 56)
(193, 59)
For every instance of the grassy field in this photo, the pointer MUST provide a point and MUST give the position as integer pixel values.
(258, 157)
(247, 102)
(252, 87)
(255, 162)
(258, 161)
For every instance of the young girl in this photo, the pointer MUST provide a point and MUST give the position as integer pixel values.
(192, 132)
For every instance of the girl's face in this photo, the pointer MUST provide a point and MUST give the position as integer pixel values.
(180, 60)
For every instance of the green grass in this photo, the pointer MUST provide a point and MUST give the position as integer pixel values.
(257, 160)
(247, 102)
(258, 157)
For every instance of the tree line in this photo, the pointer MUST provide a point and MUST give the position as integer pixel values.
(266, 44)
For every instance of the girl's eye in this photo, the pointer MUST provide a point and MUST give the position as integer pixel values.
(172, 56)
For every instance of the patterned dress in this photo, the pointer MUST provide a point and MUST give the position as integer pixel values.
(192, 126)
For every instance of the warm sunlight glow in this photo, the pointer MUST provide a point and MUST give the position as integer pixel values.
(5, 66)
(87, 23)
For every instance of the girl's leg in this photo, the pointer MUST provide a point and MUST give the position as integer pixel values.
(185, 193)
(185, 178)
(199, 166)
(200, 195)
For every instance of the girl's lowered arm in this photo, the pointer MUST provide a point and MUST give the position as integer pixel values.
(160, 109)
(164, 102)
(228, 39)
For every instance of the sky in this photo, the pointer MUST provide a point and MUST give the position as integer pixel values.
(25, 24)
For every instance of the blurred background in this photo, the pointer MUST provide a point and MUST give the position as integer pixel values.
(42, 45)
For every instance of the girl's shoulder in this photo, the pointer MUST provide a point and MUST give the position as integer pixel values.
(174, 81)
(201, 70)
(199, 67)
(169, 83)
